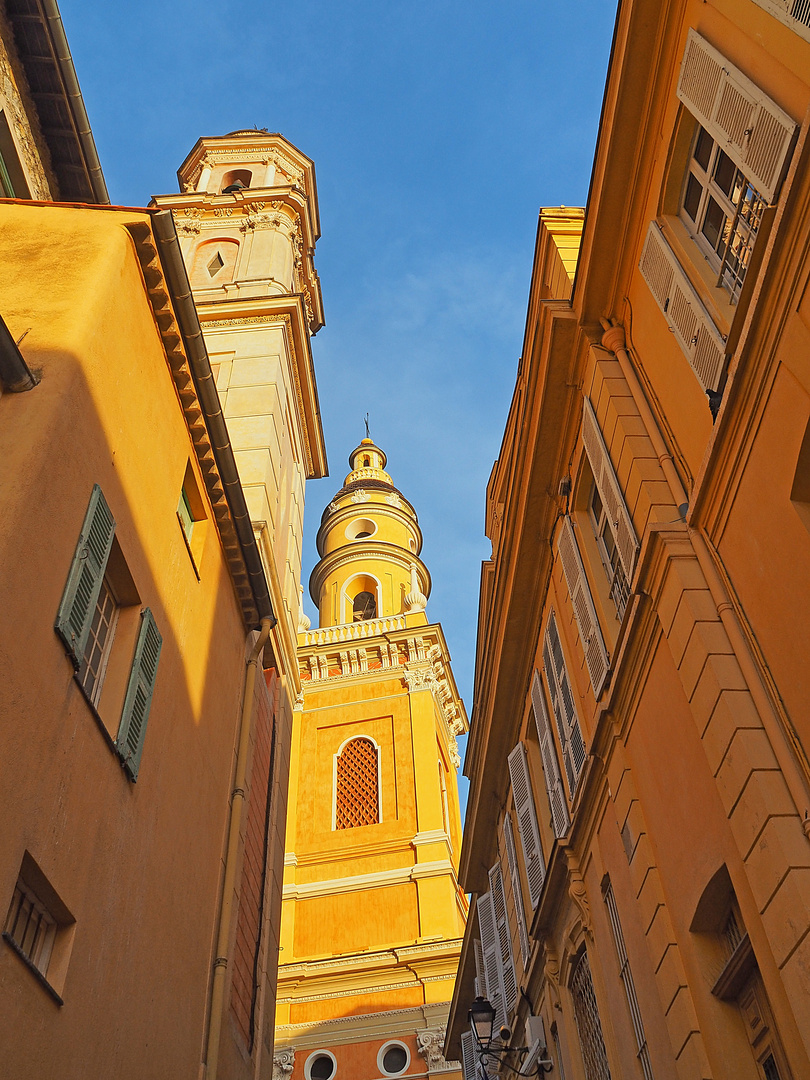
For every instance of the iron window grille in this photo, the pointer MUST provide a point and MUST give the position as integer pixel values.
(589, 1026)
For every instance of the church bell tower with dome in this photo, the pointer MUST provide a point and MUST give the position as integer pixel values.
(372, 912)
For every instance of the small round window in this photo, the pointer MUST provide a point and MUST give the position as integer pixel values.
(393, 1059)
(360, 528)
(320, 1066)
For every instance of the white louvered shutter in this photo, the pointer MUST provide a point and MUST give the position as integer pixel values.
(686, 316)
(610, 492)
(517, 889)
(527, 822)
(480, 973)
(498, 894)
(755, 133)
(551, 767)
(593, 643)
(491, 946)
(469, 1058)
(562, 704)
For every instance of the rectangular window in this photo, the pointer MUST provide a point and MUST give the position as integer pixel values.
(493, 963)
(562, 704)
(722, 209)
(507, 963)
(551, 767)
(99, 596)
(39, 928)
(527, 828)
(31, 927)
(99, 641)
(643, 1052)
(608, 551)
(185, 516)
(610, 519)
(517, 889)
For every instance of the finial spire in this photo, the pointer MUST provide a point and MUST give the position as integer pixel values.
(368, 435)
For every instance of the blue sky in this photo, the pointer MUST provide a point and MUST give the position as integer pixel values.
(437, 130)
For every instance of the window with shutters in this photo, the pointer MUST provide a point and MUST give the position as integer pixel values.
(357, 787)
(528, 830)
(740, 143)
(102, 624)
(562, 704)
(593, 643)
(517, 889)
(589, 1026)
(608, 551)
(609, 517)
(548, 752)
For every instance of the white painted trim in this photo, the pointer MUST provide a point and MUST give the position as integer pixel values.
(336, 755)
(375, 879)
(381, 1054)
(316, 1054)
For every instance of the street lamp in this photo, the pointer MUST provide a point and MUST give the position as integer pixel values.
(482, 1019)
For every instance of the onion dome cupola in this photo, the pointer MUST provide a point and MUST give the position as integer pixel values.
(369, 544)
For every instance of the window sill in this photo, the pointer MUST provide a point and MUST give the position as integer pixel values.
(15, 948)
(734, 975)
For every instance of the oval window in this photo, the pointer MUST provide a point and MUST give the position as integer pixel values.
(393, 1059)
(320, 1066)
(360, 529)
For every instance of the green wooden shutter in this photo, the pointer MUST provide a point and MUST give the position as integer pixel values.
(132, 730)
(86, 574)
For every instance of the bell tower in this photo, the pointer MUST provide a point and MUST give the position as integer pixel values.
(369, 543)
(372, 912)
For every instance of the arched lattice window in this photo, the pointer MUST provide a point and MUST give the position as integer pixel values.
(364, 606)
(357, 799)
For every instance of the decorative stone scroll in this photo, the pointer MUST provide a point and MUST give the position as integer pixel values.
(430, 1044)
(283, 1063)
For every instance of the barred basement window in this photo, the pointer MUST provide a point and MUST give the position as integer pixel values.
(357, 788)
(31, 927)
(589, 1026)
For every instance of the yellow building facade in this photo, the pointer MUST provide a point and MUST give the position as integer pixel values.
(373, 914)
(157, 425)
(636, 842)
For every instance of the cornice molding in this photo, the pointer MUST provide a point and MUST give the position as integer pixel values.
(169, 331)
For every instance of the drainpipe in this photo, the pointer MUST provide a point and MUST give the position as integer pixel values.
(15, 375)
(231, 856)
(614, 341)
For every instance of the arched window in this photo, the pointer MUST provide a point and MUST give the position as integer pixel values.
(357, 787)
(237, 176)
(364, 607)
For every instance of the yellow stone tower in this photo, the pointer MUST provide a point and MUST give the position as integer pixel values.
(372, 912)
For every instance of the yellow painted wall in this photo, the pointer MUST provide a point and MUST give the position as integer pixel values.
(106, 411)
